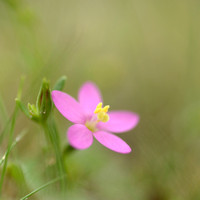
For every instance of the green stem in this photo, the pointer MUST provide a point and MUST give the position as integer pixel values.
(11, 136)
(52, 136)
(5, 130)
(8, 148)
(18, 138)
(3, 111)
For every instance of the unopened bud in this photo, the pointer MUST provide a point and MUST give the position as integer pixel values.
(44, 104)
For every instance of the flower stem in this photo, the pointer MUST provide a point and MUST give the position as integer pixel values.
(53, 137)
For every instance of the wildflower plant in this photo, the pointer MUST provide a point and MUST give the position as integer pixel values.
(91, 120)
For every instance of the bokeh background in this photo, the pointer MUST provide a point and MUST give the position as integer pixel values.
(144, 56)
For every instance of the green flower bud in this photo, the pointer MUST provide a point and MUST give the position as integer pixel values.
(44, 104)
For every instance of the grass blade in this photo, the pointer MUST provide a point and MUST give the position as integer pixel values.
(11, 135)
(3, 111)
(41, 187)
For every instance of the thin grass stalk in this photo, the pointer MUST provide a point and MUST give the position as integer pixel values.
(42, 187)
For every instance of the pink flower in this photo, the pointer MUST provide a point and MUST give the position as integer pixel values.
(90, 119)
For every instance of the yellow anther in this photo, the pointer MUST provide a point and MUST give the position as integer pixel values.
(105, 109)
(101, 116)
(98, 108)
(102, 113)
(100, 105)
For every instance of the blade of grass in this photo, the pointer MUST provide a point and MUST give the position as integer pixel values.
(3, 111)
(17, 139)
(5, 130)
(8, 148)
(42, 187)
(2, 159)
(11, 135)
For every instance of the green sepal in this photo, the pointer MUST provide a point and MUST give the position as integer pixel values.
(59, 85)
(34, 113)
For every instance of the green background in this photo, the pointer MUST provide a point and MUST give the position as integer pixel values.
(144, 56)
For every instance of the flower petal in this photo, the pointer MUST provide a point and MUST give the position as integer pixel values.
(79, 136)
(120, 121)
(112, 142)
(68, 106)
(89, 96)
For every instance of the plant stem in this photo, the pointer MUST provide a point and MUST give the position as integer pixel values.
(3, 111)
(18, 138)
(53, 137)
(11, 134)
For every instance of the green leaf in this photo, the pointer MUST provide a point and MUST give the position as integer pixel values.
(16, 172)
(11, 136)
(3, 111)
(60, 83)
(17, 139)
(23, 108)
(42, 187)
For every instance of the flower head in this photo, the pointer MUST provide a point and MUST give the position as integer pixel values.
(91, 118)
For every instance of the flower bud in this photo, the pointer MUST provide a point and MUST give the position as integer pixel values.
(43, 107)
(44, 102)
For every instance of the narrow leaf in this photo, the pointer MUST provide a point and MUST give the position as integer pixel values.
(23, 108)
(41, 187)
(60, 83)
(3, 111)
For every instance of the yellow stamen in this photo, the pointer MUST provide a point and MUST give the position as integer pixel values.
(100, 105)
(97, 110)
(105, 118)
(105, 109)
(102, 112)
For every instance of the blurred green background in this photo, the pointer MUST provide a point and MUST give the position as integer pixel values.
(144, 56)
